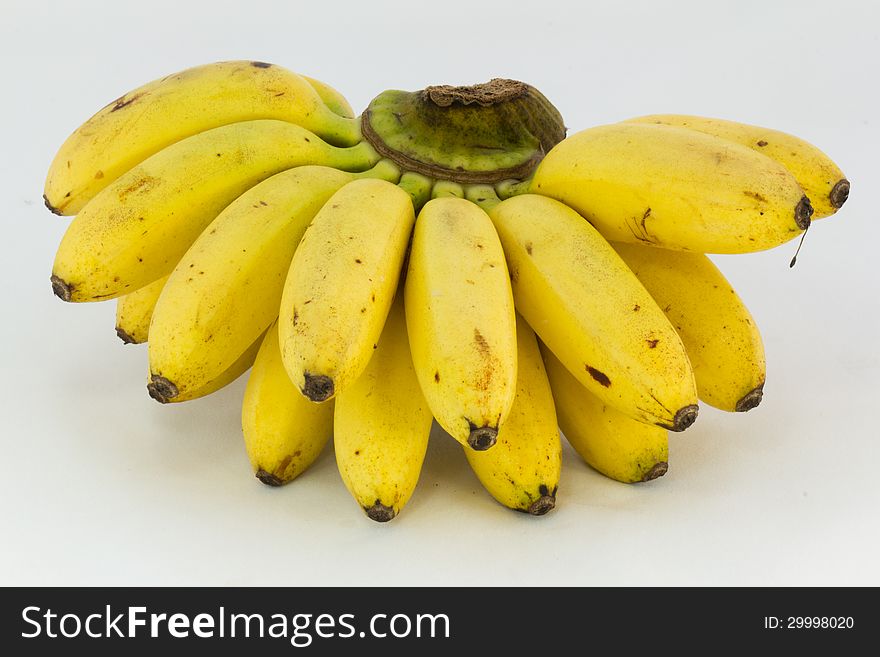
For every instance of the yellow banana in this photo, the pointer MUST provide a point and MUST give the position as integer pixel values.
(821, 179)
(335, 101)
(136, 229)
(719, 334)
(522, 470)
(134, 311)
(461, 322)
(341, 284)
(612, 443)
(160, 113)
(222, 380)
(381, 426)
(675, 188)
(592, 312)
(227, 288)
(283, 432)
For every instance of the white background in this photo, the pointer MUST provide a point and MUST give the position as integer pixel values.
(101, 485)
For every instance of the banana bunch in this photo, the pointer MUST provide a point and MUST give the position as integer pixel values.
(448, 255)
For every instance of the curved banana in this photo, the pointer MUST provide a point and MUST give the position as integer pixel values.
(160, 113)
(612, 443)
(283, 432)
(592, 312)
(381, 425)
(226, 377)
(675, 188)
(137, 229)
(522, 470)
(227, 289)
(821, 179)
(135, 310)
(719, 334)
(333, 99)
(341, 284)
(461, 322)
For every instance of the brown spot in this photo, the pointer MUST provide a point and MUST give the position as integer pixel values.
(295, 316)
(636, 308)
(357, 452)
(359, 261)
(529, 248)
(363, 310)
(264, 204)
(373, 297)
(762, 143)
(99, 174)
(261, 65)
(599, 376)
(140, 185)
(284, 463)
(124, 102)
(652, 343)
(437, 376)
(756, 196)
(280, 93)
(482, 345)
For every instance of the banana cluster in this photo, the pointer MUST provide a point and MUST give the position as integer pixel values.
(242, 220)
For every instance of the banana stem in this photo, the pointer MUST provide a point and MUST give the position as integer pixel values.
(357, 158)
(482, 195)
(384, 169)
(342, 131)
(443, 188)
(418, 187)
(508, 188)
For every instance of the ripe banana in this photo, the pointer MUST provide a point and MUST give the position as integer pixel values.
(227, 288)
(381, 425)
(612, 443)
(341, 284)
(522, 470)
(821, 179)
(335, 101)
(283, 432)
(226, 377)
(144, 121)
(136, 229)
(135, 310)
(592, 312)
(675, 188)
(718, 332)
(461, 322)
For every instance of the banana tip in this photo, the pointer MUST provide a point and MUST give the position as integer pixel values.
(660, 468)
(685, 417)
(317, 387)
(125, 337)
(839, 193)
(268, 478)
(802, 213)
(161, 389)
(542, 505)
(61, 288)
(379, 512)
(482, 438)
(55, 210)
(750, 399)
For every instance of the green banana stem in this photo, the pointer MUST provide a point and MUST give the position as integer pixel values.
(417, 186)
(356, 158)
(384, 169)
(445, 188)
(483, 195)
